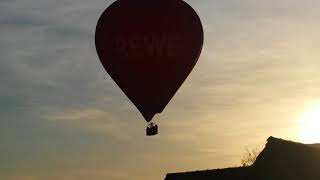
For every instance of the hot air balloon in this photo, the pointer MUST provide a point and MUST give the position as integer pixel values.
(149, 47)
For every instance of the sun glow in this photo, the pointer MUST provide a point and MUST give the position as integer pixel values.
(309, 131)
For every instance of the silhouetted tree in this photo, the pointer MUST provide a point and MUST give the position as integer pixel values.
(250, 156)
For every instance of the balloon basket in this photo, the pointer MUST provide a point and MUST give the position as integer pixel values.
(152, 129)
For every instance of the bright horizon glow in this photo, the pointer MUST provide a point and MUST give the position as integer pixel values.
(309, 130)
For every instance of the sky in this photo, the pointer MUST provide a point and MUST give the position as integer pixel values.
(62, 116)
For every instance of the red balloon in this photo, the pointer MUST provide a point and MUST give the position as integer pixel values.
(149, 47)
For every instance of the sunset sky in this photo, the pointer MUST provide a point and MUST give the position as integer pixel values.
(63, 118)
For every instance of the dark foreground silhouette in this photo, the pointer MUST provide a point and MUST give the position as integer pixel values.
(279, 160)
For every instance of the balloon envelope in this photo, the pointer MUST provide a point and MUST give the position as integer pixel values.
(149, 47)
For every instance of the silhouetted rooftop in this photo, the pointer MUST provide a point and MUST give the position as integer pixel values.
(280, 159)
